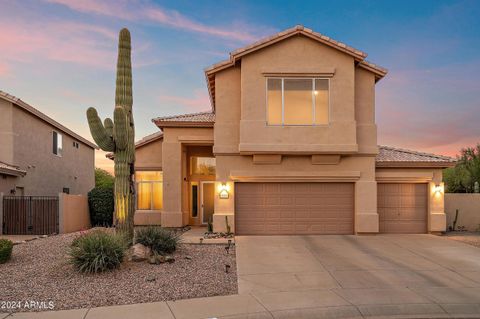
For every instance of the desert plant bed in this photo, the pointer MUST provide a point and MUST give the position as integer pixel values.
(471, 238)
(39, 270)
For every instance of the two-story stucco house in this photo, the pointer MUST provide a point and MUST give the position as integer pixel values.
(39, 156)
(289, 147)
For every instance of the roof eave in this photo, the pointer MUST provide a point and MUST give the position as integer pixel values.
(12, 172)
(180, 124)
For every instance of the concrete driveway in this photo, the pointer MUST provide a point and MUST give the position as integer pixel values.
(360, 276)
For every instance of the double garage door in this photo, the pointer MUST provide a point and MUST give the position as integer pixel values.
(294, 208)
(324, 208)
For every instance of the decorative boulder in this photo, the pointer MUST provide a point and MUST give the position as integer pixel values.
(139, 252)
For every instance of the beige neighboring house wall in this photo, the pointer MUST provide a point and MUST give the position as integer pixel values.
(468, 206)
(27, 143)
(247, 149)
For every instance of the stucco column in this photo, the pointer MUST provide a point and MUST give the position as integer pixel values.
(437, 220)
(172, 184)
(224, 207)
(366, 216)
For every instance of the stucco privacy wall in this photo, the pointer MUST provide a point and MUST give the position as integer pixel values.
(432, 177)
(73, 213)
(468, 206)
(175, 187)
(27, 143)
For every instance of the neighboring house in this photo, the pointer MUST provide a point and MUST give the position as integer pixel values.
(39, 156)
(289, 147)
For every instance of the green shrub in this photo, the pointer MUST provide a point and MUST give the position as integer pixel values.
(101, 205)
(97, 251)
(160, 240)
(6, 247)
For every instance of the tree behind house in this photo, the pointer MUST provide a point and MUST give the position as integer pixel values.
(103, 178)
(462, 177)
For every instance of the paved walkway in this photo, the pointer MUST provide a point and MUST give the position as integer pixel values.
(195, 236)
(403, 276)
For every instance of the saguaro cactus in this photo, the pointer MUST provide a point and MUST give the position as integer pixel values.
(118, 136)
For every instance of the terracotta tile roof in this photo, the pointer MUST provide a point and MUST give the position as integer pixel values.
(392, 156)
(145, 140)
(201, 119)
(149, 138)
(27, 107)
(11, 170)
(236, 55)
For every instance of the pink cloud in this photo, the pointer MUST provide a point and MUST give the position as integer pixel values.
(4, 69)
(58, 41)
(134, 11)
(199, 102)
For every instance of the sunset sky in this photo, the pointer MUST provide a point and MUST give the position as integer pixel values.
(60, 56)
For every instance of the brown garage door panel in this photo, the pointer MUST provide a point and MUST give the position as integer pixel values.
(294, 208)
(402, 208)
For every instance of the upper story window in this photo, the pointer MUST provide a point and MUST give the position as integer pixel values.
(202, 165)
(297, 101)
(57, 143)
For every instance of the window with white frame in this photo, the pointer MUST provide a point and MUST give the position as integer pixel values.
(57, 143)
(149, 190)
(297, 101)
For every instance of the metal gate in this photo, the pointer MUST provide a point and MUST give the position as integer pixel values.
(30, 215)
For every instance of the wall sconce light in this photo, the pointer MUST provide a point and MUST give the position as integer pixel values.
(224, 194)
(438, 189)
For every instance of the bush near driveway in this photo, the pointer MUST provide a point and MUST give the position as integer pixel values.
(160, 240)
(6, 247)
(97, 251)
(101, 206)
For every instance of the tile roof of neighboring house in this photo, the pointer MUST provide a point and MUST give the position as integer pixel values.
(236, 55)
(201, 119)
(399, 157)
(27, 107)
(8, 169)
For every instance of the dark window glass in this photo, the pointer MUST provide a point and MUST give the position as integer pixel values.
(194, 200)
(66, 190)
(55, 148)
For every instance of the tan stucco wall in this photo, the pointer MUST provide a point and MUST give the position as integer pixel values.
(6, 132)
(31, 150)
(149, 156)
(175, 185)
(431, 176)
(74, 214)
(468, 206)
(298, 55)
(7, 183)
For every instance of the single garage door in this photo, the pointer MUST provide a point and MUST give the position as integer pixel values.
(293, 208)
(402, 208)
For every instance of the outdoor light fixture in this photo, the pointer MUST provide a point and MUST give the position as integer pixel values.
(224, 194)
(437, 189)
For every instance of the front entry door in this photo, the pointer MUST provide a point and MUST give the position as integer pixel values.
(208, 195)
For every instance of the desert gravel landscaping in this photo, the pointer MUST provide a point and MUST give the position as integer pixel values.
(39, 271)
(471, 238)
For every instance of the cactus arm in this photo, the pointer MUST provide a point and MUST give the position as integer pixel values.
(108, 123)
(99, 133)
(120, 130)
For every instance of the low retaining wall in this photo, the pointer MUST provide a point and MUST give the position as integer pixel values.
(73, 213)
(468, 206)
